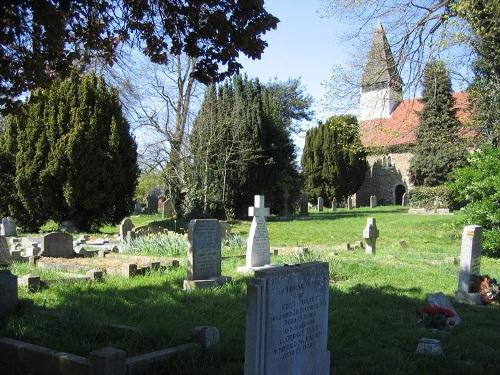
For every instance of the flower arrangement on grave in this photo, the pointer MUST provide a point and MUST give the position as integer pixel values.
(487, 288)
(436, 317)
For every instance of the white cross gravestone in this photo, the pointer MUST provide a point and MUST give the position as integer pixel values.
(373, 201)
(370, 234)
(258, 248)
(320, 204)
(470, 264)
(349, 203)
(287, 321)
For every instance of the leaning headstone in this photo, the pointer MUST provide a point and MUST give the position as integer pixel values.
(320, 204)
(287, 321)
(57, 244)
(125, 226)
(373, 201)
(405, 200)
(370, 234)
(334, 204)
(8, 292)
(349, 203)
(470, 264)
(152, 200)
(204, 254)
(304, 208)
(8, 227)
(258, 248)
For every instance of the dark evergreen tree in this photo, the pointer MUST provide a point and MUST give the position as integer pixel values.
(333, 159)
(75, 157)
(438, 149)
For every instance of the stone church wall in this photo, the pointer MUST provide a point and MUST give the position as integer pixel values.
(384, 174)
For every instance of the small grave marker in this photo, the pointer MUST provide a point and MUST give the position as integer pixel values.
(470, 263)
(370, 234)
(373, 201)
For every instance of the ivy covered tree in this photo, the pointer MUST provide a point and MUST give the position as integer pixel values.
(75, 157)
(438, 149)
(241, 146)
(333, 160)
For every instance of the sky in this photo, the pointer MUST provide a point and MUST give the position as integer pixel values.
(304, 45)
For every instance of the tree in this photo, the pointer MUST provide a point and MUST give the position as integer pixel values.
(438, 149)
(42, 40)
(75, 157)
(333, 160)
(477, 185)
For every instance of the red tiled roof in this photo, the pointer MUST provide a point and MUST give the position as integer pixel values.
(401, 127)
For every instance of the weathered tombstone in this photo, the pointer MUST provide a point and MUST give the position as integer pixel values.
(304, 205)
(287, 321)
(373, 201)
(167, 209)
(286, 196)
(204, 255)
(470, 264)
(125, 226)
(152, 200)
(321, 203)
(334, 204)
(8, 227)
(57, 244)
(405, 200)
(258, 248)
(349, 203)
(137, 208)
(370, 234)
(8, 292)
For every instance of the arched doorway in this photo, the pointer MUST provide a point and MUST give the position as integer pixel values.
(399, 190)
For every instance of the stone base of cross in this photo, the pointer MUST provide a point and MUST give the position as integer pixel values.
(370, 234)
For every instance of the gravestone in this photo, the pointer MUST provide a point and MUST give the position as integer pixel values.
(8, 292)
(125, 226)
(8, 227)
(57, 244)
(4, 252)
(137, 208)
(152, 200)
(204, 254)
(349, 203)
(320, 204)
(370, 234)
(334, 204)
(287, 321)
(167, 209)
(373, 201)
(304, 209)
(470, 264)
(405, 200)
(258, 248)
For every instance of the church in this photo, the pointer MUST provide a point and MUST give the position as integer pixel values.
(388, 126)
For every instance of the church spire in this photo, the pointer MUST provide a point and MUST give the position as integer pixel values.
(380, 68)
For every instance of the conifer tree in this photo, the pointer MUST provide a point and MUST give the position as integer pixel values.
(333, 160)
(438, 149)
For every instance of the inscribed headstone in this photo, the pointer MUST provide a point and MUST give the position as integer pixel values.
(204, 253)
(370, 234)
(57, 244)
(258, 248)
(287, 321)
(470, 262)
(321, 203)
(373, 201)
(8, 292)
(125, 226)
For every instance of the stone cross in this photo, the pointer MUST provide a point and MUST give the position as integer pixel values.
(373, 201)
(258, 248)
(320, 204)
(287, 321)
(370, 234)
(349, 203)
(303, 205)
(334, 204)
(470, 263)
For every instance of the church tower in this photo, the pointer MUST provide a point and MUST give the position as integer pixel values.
(381, 84)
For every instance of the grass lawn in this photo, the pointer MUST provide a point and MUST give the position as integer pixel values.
(372, 320)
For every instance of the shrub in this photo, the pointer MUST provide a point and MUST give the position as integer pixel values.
(430, 197)
(477, 186)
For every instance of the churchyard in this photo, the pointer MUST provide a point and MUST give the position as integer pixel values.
(371, 299)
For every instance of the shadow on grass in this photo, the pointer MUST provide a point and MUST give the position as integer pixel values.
(371, 329)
